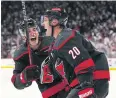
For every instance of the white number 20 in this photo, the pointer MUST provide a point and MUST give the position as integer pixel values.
(74, 52)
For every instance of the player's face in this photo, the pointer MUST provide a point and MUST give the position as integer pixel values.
(33, 36)
(47, 24)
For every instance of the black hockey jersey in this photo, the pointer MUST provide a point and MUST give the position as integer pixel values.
(21, 59)
(79, 56)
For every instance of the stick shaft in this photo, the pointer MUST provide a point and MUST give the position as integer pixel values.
(27, 34)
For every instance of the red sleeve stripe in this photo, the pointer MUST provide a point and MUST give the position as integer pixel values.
(84, 65)
(63, 43)
(21, 55)
(22, 78)
(13, 79)
(100, 74)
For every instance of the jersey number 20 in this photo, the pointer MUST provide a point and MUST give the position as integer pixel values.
(74, 52)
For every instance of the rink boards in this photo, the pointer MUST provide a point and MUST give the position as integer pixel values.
(9, 63)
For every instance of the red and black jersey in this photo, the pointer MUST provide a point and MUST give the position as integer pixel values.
(79, 55)
(76, 56)
(21, 59)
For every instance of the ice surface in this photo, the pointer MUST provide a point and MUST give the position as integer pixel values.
(7, 90)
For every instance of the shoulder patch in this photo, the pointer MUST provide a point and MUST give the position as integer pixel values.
(63, 38)
(46, 42)
(20, 52)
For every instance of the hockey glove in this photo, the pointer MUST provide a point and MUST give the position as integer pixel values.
(30, 73)
(85, 89)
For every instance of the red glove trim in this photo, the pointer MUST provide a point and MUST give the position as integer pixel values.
(85, 93)
(22, 78)
(13, 78)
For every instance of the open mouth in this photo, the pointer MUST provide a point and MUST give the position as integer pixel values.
(54, 22)
(33, 38)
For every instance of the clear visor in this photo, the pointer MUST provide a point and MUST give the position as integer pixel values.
(42, 19)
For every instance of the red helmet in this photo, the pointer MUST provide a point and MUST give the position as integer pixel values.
(57, 13)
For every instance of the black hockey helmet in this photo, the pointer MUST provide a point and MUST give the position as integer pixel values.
(57, 13)
(30, 23)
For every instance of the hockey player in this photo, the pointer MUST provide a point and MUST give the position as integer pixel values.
(24, 73)
(82, 71)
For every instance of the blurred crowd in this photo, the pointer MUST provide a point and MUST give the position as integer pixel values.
(96, 20)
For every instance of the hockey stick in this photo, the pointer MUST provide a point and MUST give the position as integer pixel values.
(27, 34)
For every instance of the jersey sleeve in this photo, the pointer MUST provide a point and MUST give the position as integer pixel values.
(76, 55)
(20, 64)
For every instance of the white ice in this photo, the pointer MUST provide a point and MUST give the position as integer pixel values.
(7, 90)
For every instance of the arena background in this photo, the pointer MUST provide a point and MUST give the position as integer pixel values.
(96, 20)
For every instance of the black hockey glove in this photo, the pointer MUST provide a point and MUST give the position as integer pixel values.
(30, 73)
(85, 88)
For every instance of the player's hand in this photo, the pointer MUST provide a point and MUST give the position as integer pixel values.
(30, 73)
(83, 90)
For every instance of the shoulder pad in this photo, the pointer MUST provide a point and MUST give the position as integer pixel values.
(47, 41)
(63, 38)
(20, 52)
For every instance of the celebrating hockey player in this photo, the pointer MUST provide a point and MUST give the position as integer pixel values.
(81, 71)
(24, 73)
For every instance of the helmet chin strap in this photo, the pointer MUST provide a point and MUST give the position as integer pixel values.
(52, 34)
